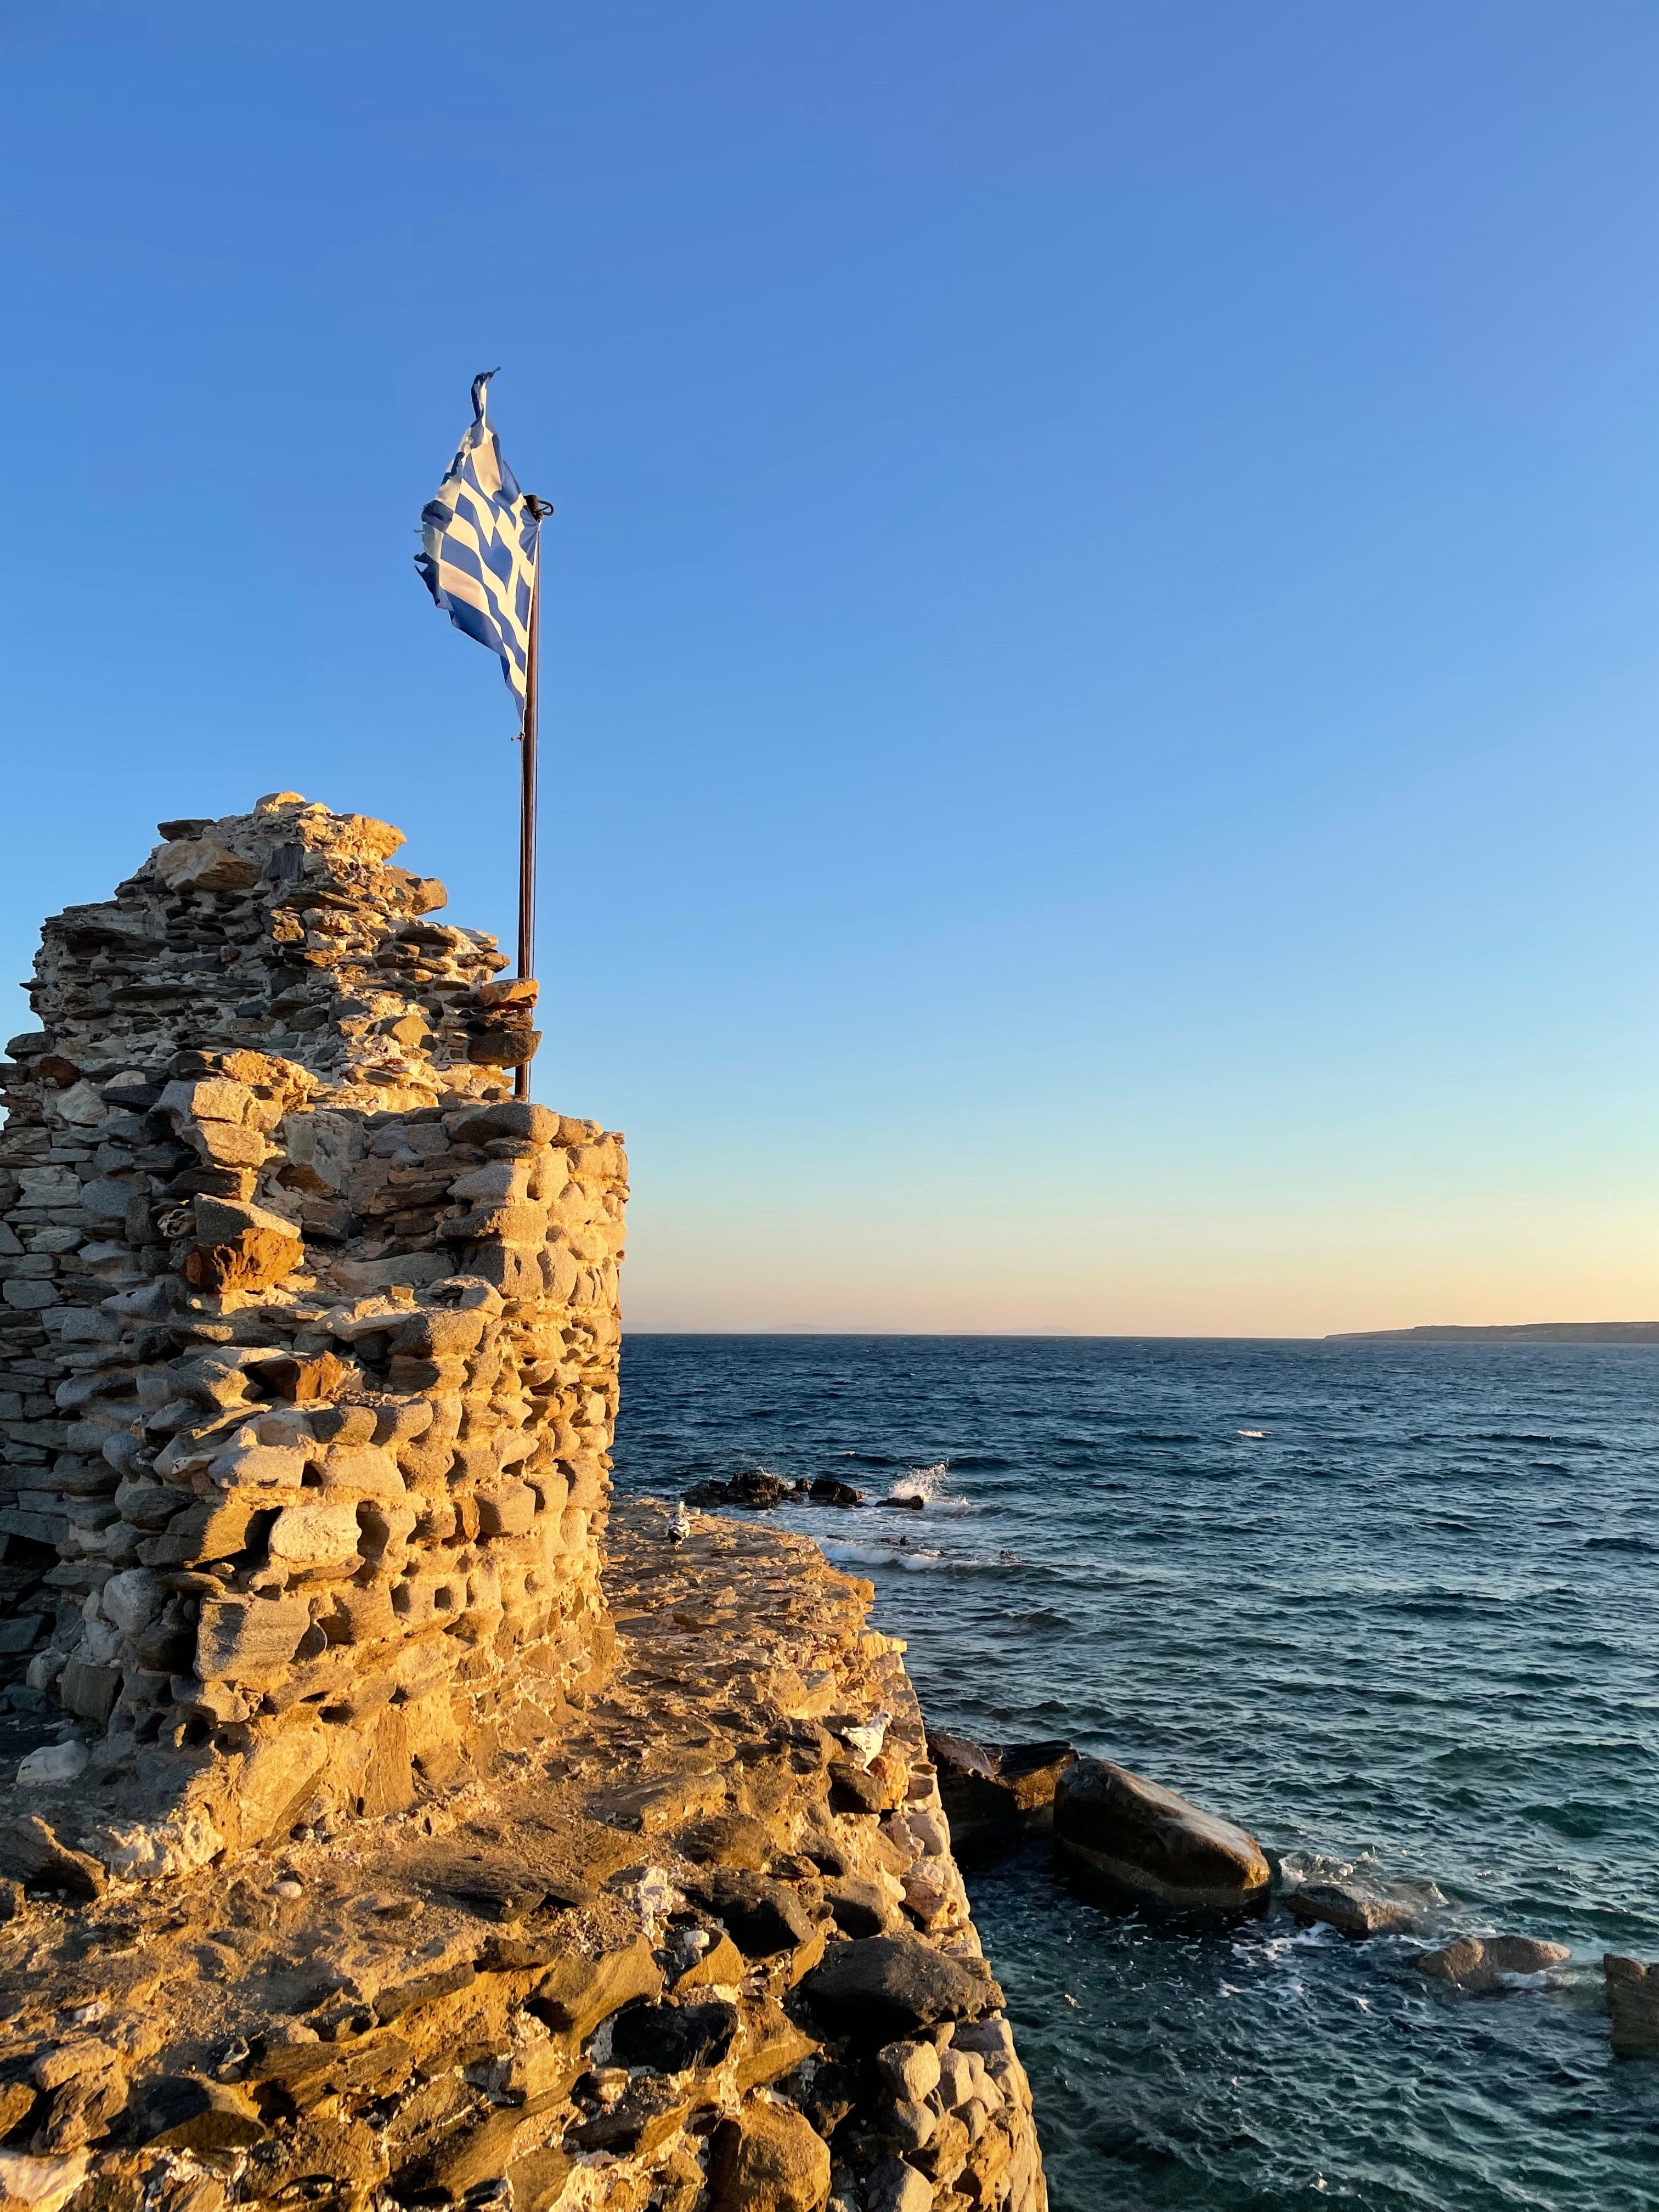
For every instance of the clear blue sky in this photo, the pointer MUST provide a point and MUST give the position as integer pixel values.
(1101, 646)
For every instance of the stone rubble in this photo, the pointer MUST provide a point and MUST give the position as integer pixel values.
(376, 1840)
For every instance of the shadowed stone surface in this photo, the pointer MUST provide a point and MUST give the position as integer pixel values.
(991, 1790)
(1633, 2001)
(886, 1986)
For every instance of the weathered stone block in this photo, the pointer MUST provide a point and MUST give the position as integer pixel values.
(244, 1639)
(198, 864)
(248, 1465)
(364, 1470)
(576, 1994)
(131, 1601)
(310, 1537)
(507, 1509)
(89, 1692)
(277, 1780)
(107, 1198)
(31, 1854)
(515, 1273)
(251, 1261)
(183, 2112)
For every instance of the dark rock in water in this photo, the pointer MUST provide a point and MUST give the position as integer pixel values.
(1633, 2001)
(991, 1789)
(672, 2039)
(758, 1489)
(754, 1487)
(827, 1490)
(888, 1986)
(1522, 1954)
(1145, 1839)
(911, 1505)
(1473, 1964)
(1357, 1912)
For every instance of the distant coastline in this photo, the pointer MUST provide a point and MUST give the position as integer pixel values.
(1529, 1331)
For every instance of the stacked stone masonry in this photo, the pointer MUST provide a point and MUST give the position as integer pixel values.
(387, 1828)
(310, 1339)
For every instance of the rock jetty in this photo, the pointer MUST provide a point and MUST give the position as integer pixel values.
(387, 1826)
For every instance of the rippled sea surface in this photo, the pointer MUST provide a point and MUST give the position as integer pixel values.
(1385, 1604)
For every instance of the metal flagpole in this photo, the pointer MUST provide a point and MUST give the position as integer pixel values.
(527, 793)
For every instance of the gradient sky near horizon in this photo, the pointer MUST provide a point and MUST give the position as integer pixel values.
(1100, 638)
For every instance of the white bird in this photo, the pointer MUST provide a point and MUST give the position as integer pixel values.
(864, 1741)
(680, 1527)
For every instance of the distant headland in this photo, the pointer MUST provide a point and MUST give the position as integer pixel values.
(1529, 1332)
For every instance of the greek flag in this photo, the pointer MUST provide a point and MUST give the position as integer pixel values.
(477, 555)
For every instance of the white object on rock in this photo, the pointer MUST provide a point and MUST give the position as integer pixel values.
(864, 1741)
(52, 1762)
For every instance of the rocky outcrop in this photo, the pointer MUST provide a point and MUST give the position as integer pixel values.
(1477, 1964)
(1633, 2002)
(759, 1489)
(1385, 1910)
(992, 1791)
(1138, 1837)
(610, 1970)
(374, 1840)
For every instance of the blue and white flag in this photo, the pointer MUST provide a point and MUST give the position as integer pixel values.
(478, 547)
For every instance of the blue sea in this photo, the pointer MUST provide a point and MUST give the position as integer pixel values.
(1390, 1607)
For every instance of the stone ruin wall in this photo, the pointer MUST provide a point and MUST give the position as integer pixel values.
(308, 1345)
